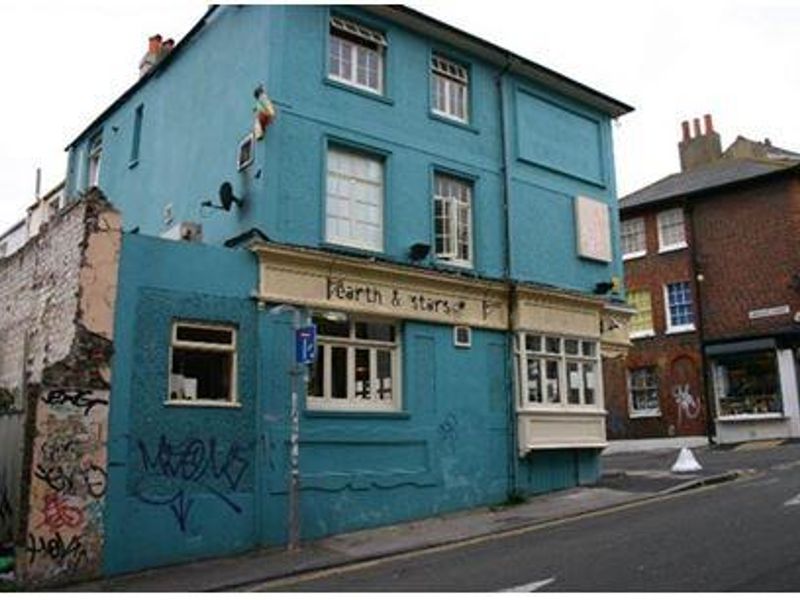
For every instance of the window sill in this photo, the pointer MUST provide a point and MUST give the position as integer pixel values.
(753, 417)
(645, 414)
(454, 122)
(357, 90)
(675, 248)
(445, 264)
(640, 335)
(361, 251)
(343, 413)
(634, 255)
(561, 410)
(679, 330)
(202, 404)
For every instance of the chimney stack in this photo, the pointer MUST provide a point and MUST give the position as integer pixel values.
(151, 58)
(702, 147)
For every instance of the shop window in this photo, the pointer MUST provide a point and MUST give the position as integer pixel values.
(95, 154)
(632, 235)
(747, 384)
(671, 231)
(642, 322)
(453, 219)
(354, 202)
(680, 307)
(643, 392)
(558, 372)
(450, 89)
(357, 366)
(202, 364)
(356, 55)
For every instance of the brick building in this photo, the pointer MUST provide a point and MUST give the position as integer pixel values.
(713, 268)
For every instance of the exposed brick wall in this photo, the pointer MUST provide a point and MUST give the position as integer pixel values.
(749, 253)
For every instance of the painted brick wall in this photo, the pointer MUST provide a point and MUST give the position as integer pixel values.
(749, 263)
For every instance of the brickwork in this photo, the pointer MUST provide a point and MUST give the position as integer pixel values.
(751, 263)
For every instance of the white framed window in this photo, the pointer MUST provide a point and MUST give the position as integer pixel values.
(671, 230)
(560, 373)
(680, 307)
(462, 336)
(94, 157)
(357, 366)
(354, 202)
(643, 392)
(452, 198)
(641, 324)
(202, 369)
(247, 151)
(450, 89)
(632, 235)
(355, 55)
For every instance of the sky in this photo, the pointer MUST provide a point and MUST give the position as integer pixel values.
(63, 63)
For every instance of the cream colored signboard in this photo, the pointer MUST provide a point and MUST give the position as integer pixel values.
(593, 228)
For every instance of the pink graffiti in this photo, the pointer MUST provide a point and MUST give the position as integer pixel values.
(57, 513)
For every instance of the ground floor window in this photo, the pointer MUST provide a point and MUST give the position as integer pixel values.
(643, 391)
(748, 383)
(202, 363)
(558, 371)
(357, 366)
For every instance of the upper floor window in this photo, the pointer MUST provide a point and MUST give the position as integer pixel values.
(680, 308)
(354, 203)
(138, 116)
(357, 366)
(558, 372)
(453, 219)
(95, 154)
(632, 234)
(450, 82)
(355, 55)
(642, 321)
(671, 232)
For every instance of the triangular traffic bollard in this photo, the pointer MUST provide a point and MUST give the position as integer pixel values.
(686, 462)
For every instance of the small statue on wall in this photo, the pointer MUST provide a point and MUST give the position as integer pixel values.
(264, 111)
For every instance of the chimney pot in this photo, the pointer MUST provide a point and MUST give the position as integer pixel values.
(154, 44)
(167, 45)
(696, 123)
(686, 133)
(709, 124)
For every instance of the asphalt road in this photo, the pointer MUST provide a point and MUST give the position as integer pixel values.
(739, 536)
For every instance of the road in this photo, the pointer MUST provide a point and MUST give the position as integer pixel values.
(739, 536)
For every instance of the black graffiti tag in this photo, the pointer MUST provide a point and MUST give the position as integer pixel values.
(77, 398)
(69, 554)
(73, 479)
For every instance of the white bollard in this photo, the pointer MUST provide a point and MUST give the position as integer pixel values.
(686, 462)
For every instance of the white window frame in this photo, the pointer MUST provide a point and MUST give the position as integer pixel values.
(453, 207)
(231, 348)
(454, 80)
(640, 232)
(350, 179)
(642, 333)
(467, 342)
(94, 159)
(248, 140)
(351, 343)
(645, 412)
(663, 220)
(356, 41)
(683, 328)
(563, 359)
(721, 383)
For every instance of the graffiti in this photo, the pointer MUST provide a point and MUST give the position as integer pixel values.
(57, 513)
(174, 470)
(78, 398)
(80, 479)
(448, 432)
(68, 555)
(687, 405)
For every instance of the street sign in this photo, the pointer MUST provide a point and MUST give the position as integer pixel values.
(306, 345)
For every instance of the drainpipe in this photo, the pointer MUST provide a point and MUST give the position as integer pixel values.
(509, 353)
(698, 281)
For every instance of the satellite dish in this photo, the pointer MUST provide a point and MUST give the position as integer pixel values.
(226, 197)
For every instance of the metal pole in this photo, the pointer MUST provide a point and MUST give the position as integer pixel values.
(294, 453)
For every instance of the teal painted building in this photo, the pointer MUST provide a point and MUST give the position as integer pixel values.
(444, 211)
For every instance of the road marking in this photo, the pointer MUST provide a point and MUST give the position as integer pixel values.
(530, 587)
(793, 501)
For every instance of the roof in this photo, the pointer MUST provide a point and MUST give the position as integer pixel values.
(706, 177)
(570, 87)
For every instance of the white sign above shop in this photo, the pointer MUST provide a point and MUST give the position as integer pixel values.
(773, 311)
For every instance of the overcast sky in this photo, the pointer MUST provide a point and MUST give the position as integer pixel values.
(64, 62)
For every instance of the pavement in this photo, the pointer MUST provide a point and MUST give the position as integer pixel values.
(627, 478)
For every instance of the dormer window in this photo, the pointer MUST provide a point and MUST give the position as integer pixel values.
(355, 55)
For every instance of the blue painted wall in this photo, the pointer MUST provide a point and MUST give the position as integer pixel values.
(198, 107)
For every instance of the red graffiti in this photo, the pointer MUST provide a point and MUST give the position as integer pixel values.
(57, 513)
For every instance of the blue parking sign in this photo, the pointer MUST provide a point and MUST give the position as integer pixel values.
(306, 345)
